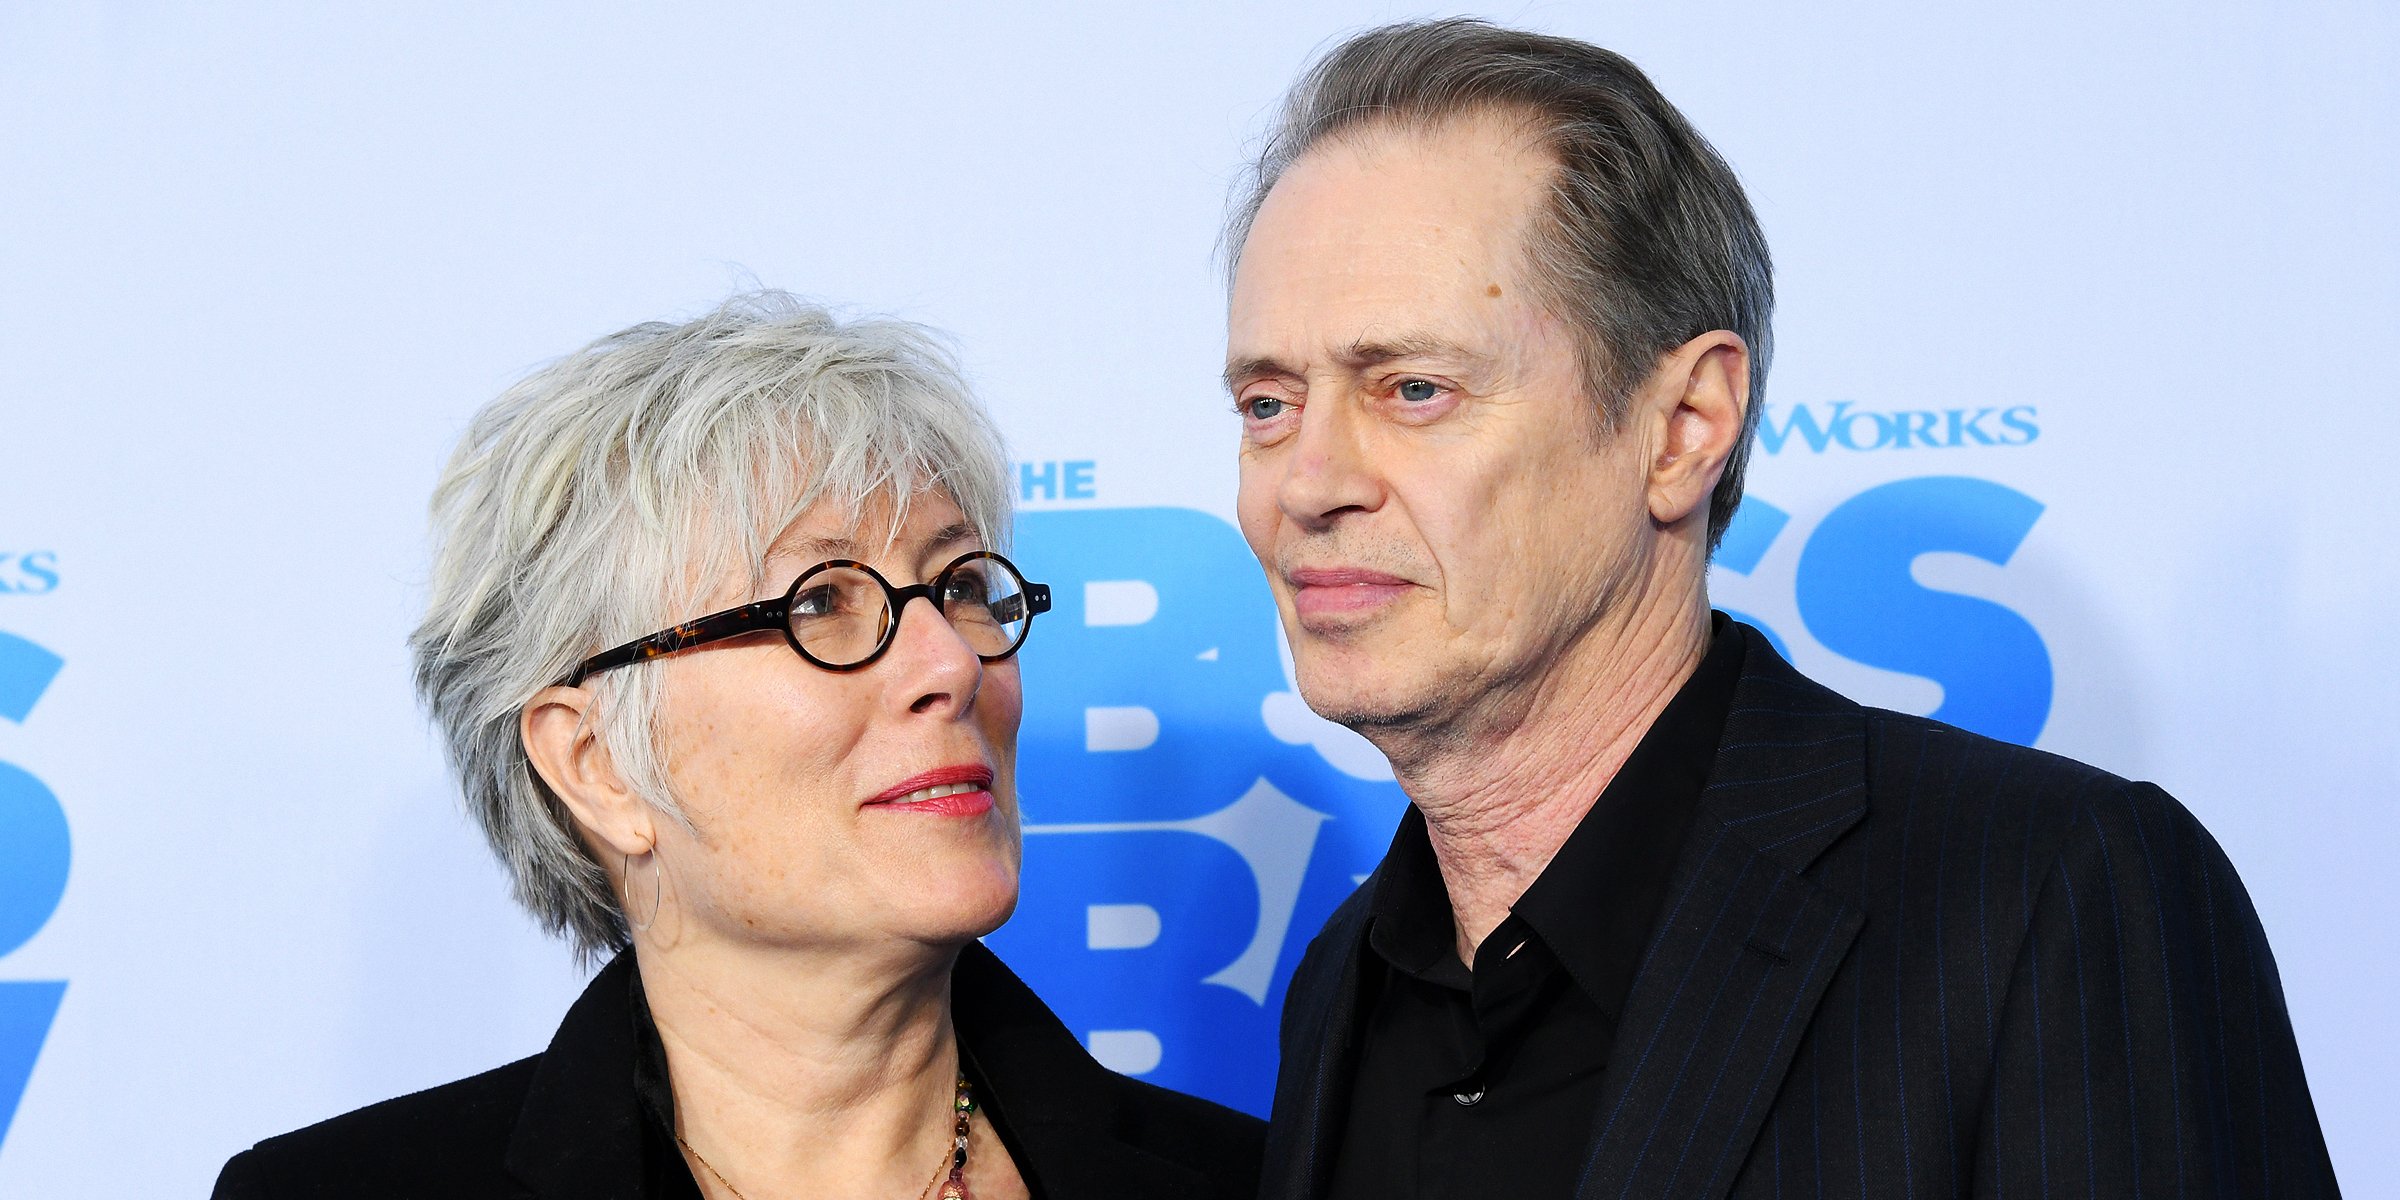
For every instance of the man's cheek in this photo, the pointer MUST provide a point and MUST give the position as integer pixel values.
(1255, 512)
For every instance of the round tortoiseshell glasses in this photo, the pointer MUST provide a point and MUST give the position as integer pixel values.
(842, 616)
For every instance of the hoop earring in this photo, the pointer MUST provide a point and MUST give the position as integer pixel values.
(657, 889)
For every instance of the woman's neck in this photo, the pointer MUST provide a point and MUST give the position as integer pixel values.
(799, 1073)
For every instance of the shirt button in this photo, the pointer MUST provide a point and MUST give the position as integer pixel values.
(1469, 1099)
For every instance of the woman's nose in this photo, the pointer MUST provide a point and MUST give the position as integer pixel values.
(938, 670)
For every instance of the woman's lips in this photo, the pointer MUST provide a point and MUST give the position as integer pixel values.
(960, 791)
(1334, 591)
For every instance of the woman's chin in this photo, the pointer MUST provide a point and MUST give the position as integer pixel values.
(953, 906)
(972, 913)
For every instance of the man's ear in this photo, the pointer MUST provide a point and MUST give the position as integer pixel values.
(557, 729)
(1696, 400)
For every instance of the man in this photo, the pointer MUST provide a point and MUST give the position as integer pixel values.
(1665, 918)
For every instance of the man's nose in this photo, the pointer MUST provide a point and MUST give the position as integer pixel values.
(1330, 471)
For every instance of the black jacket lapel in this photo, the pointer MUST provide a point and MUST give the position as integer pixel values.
(1049, 1094)
(1320, 1021)
(1745, 949)
(579, 1134)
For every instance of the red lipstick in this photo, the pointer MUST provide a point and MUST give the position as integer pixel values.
(965, 791)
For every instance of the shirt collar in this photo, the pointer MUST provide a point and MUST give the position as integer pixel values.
(1594, 904)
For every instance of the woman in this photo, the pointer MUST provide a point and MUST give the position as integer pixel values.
(789, 812)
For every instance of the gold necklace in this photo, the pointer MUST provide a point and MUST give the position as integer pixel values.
(954, 1157)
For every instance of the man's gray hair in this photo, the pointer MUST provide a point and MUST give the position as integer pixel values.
(612, 492)
(1647, 241)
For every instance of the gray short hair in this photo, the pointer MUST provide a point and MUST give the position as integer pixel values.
(1647, 242)
(607, 494)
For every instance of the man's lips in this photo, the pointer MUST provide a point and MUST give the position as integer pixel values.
(1327, 591)
(960, 791)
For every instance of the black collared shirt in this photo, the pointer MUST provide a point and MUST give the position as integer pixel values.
(1487, 1082)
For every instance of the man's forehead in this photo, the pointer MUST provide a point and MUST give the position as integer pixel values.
(1366, 242)
(1355, 319)
(1458, 182)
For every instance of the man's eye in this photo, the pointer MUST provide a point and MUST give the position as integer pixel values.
(1418, 391)
(1263, 408)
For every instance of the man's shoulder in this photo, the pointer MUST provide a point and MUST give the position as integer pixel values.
(1781, 712)
(1341, 930)
(2043, 810)
(1812, 771)
(1316, 981)
(442, 1139)
(1912, 754)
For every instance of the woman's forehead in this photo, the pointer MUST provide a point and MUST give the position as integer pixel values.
(880, 527)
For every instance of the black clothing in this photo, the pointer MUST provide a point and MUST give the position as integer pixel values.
(666, 1176)
(1479, 1083)
(1898, 959)
(568, 1124)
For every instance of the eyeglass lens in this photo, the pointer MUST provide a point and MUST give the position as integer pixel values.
(842, 616)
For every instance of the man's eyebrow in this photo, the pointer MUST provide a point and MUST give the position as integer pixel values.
(1359, 355)
(1365, 353)
(1251, 368)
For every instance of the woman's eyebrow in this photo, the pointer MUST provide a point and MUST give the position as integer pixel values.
(947, 536)
(818, 546)
(809, 545)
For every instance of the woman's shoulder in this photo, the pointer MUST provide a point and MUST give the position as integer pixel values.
(1186, 1128)
(1084, 1129)
(450, 1140)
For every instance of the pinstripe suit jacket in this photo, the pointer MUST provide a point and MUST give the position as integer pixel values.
(1898, 959)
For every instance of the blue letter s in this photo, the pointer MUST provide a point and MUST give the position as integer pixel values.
(1856, 595)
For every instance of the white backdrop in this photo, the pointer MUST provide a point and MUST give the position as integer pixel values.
(257, 267)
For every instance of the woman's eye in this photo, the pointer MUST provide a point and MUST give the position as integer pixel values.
(815, 602)
(1418, 391)
(1263, 408)
(965, 589)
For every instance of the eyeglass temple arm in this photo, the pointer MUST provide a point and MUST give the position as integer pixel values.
(1035, 598)
(699, 631)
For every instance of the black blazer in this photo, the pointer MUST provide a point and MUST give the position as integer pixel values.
(1898, 959)
(565, 1124)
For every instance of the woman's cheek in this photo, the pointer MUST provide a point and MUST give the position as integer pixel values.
(1003, 704)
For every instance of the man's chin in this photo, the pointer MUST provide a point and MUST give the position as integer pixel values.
(1343, 628)
(1365, 705)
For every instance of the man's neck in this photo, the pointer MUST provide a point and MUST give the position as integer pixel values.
(807, 1072)
(1499, 802)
